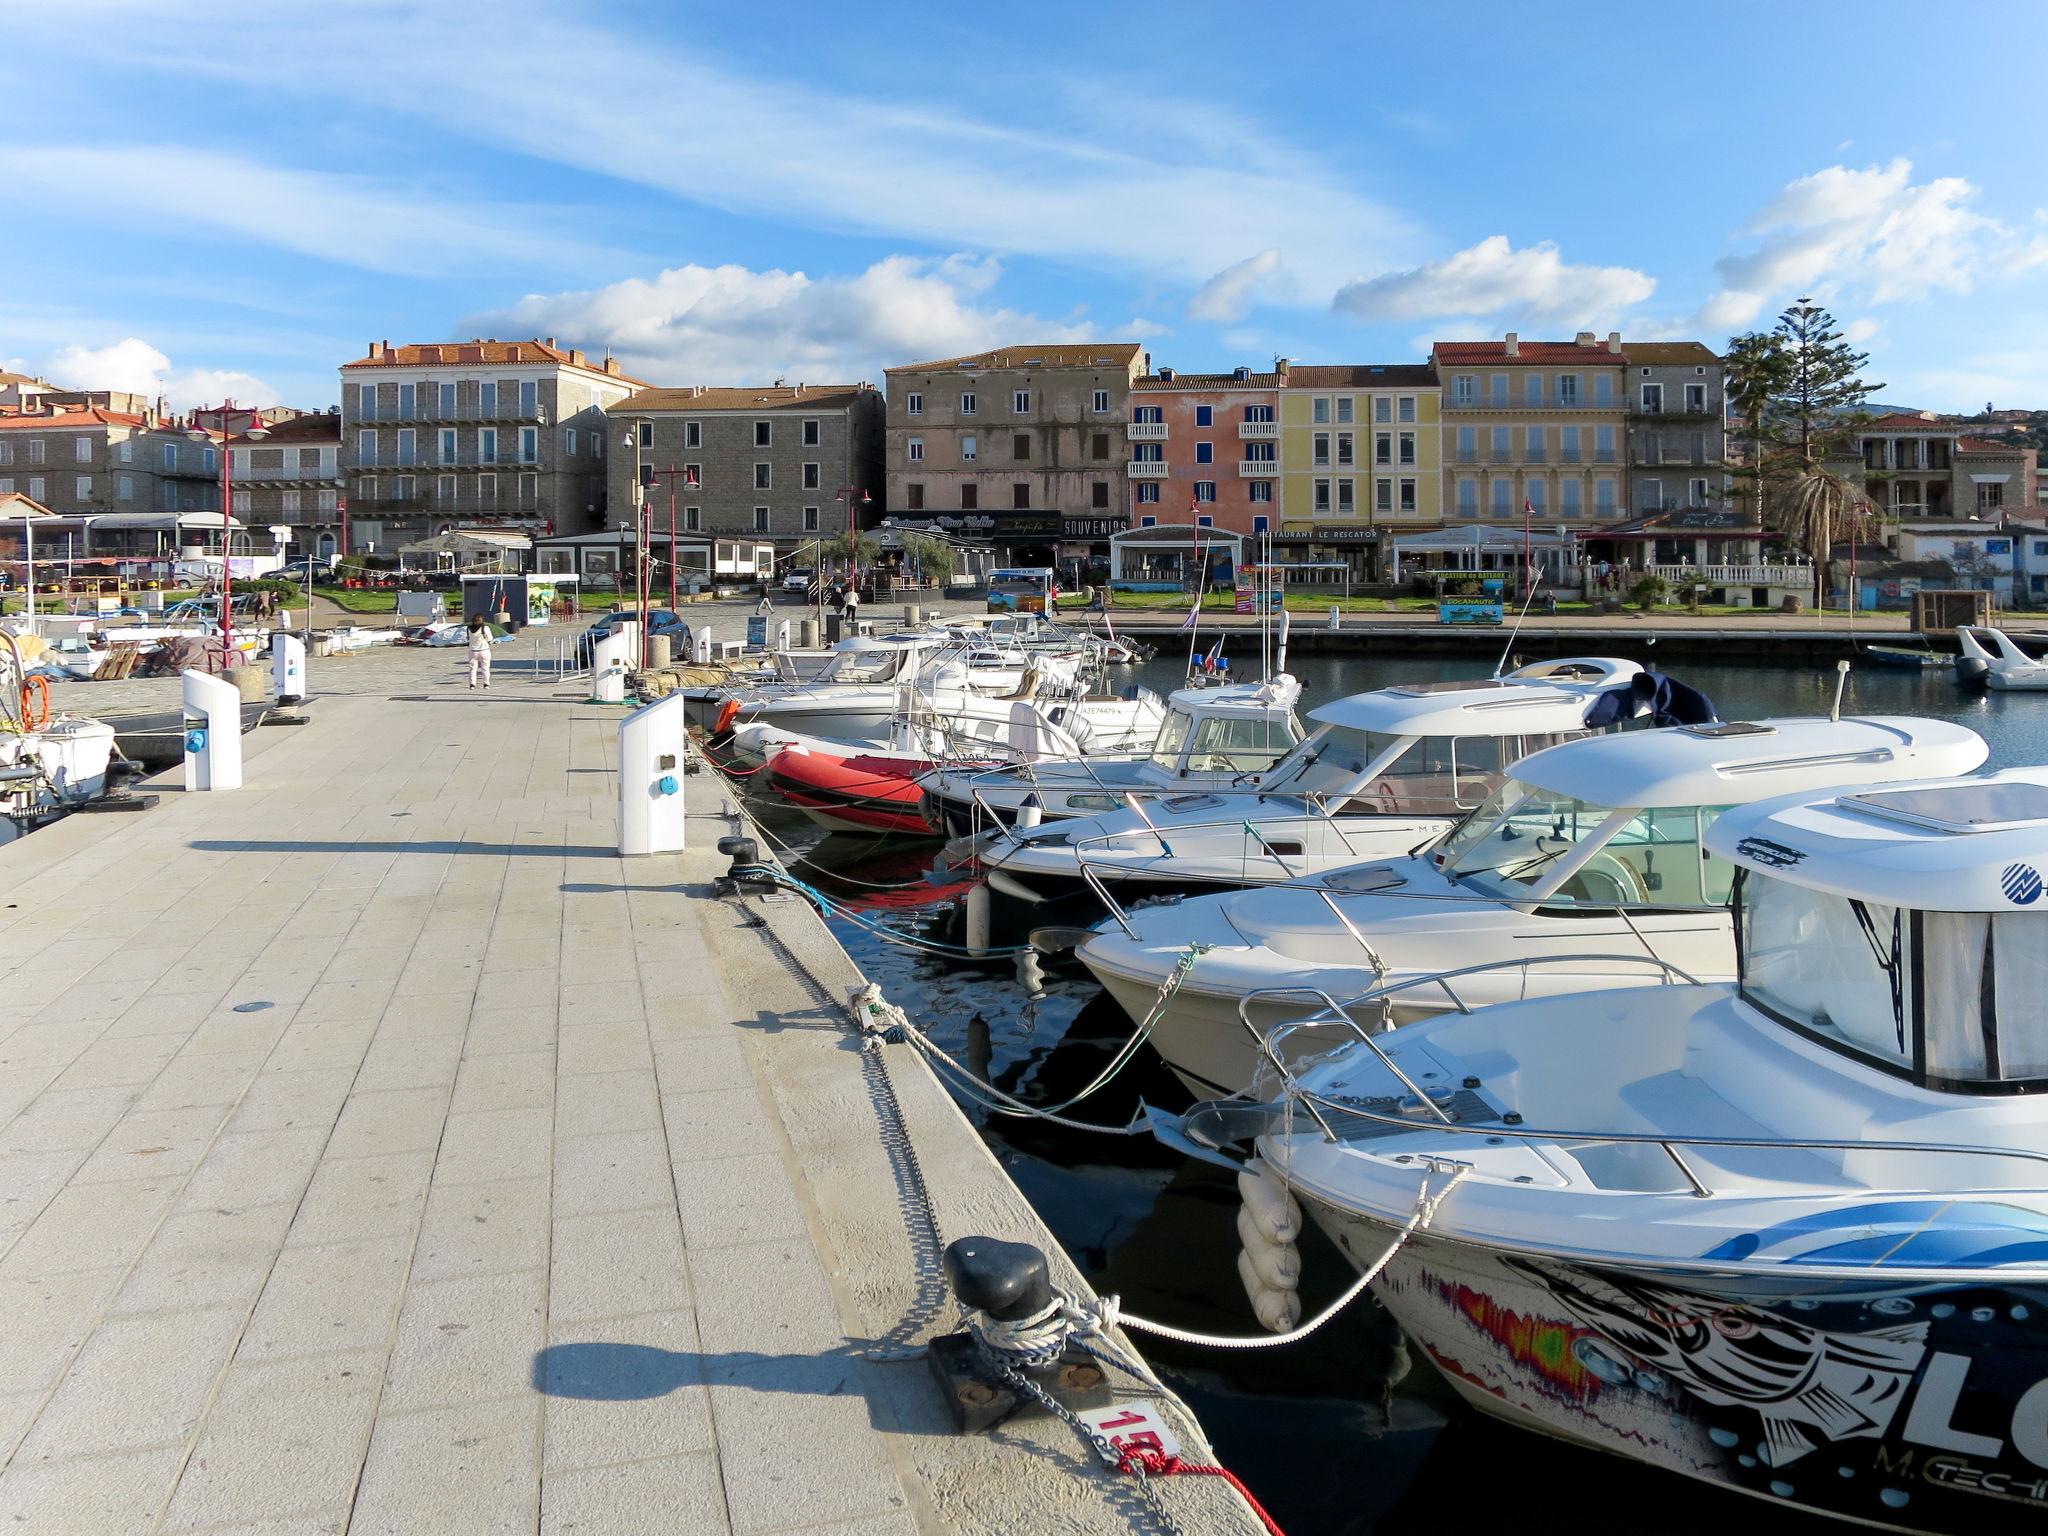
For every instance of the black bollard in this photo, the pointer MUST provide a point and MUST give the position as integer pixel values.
(1007, 1282)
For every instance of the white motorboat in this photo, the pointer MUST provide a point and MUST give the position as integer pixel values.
(1990, 657)
(1788, 1236)
(1234, 736)
(49, 764)
(1386, 771)
(1585, 869)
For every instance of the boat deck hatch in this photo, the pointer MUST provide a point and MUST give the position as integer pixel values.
(1463, 1105)
(1990, 806)
(1452, 685)
(1722, 730)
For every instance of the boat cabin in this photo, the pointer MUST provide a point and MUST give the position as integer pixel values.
(1946, 991)
(1623, 818)
(1239, 728)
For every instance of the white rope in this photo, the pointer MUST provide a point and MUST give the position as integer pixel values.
(1108, 1312)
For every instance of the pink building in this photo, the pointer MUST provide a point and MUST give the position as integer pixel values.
(1205, 448)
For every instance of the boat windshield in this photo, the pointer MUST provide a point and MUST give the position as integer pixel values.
(877, 666)
(1527, 842)
(1843, 971)
(1173, 736)
(1439, 775)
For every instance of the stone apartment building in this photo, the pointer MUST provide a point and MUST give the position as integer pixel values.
(780, 460)
(92, 461)
(483, 433)
(1677, 428)
(1924, 467)
(1205, 450)
(291, 476)
(1542, 424)
(1023, 445)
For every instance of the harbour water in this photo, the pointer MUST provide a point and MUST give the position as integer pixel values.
(1345, 1434)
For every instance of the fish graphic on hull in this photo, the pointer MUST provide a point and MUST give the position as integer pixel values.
(1807, 1385)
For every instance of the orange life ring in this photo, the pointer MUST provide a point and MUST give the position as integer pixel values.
(34, 718)
(728, 712)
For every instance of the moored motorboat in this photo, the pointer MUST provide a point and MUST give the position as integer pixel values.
(1992, 659)
(854, 791)
(1787, 1235)
(1584, 870)
(1384, 772)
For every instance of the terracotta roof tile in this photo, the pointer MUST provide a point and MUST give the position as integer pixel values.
(1361, 376)
(1906, 421)
(1991, 445)
(1669, 354)
(315, 427)
(15, 505)
(779, 397)
(1208, 381)
(84, 416)
(1540, 354)
(1065, 354)
(430, 354)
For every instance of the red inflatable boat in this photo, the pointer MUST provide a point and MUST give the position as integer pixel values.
(868, 792)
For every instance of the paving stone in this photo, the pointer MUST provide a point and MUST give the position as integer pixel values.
(623, 1389)
(393, 1120)
(604, 1047)
(89, 1496)
(138, 1382)
(724, 1122)
(249, 1168)
(514, 1080)
(467, 1468)
(496, 1144)
(618, 1172)
(89, 1226)
(199, 1257)
(795, 1443)
(49, 1317)
(481, 1229)
(363, 1197)
(617, 1264)
(771, 1298)
(737, 1200)
(648, 1498)
(466, 1340)
(340, 1296)
(698, 1065)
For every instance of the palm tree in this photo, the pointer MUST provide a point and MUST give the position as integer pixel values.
(1816, 504)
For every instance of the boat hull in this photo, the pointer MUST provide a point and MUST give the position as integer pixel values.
(1910, 1407)
(852, 794)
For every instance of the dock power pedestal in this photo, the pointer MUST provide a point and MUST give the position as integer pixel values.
(651, 813)
(611, 659)
(213, 732)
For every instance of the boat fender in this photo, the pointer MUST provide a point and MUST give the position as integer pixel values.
(1277, 1311)
(977, 918)
(1030, 813)
(1271, 1207)
(728, 712)
(1278, 1264)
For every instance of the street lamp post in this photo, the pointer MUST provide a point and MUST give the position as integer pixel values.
(639, 535)
(671, 474)
(855, 498)
(227, 503)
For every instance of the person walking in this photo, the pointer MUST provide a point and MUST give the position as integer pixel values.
(479, 655)
(852, 610)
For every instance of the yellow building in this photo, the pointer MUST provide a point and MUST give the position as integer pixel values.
(1361, 461)
(1541, 425)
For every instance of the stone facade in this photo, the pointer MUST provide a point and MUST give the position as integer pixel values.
(1541, 424)
(291, 476)
(92, 460)
(1927, 467)
(475, 434)
(772, 462)
(1677, 428)
(1012, 441)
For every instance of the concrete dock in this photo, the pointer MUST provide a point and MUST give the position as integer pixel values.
(379, 1152)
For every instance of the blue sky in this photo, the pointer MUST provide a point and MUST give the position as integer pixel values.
(729, 194)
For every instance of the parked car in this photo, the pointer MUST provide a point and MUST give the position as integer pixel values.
(799, 581)
(660, 621)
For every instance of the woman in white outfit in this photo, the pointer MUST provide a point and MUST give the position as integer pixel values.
(479, 655)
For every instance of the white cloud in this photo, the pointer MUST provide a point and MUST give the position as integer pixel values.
(134, 365)
(1534, 284)
(980, 169)
(1228, 294)
(696, 324)
(1872, 233)
(383, 226)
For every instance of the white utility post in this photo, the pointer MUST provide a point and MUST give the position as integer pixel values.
(213, 732)
(651, 743)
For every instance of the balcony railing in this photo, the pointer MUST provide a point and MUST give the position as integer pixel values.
(1257, 469)
(1146, 469)
(1683, 576)
(1147, 431)
(1509, 406)
(419, 466)
(420, 415)
(1258, 430)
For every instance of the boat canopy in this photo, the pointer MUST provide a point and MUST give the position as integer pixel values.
(1480, 707)
(1737, 762)
(1277, 695)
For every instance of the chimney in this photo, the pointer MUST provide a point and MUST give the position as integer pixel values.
(1148, 363)
(576, 356)
(1584, 339)
(551, 341)
(1614, 342)
(1514, 344)
(1280, 366)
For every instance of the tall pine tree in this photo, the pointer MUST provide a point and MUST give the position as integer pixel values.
(1757, 370)
(1822, 382)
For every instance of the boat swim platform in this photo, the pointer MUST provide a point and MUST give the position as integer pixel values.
(379, 1152)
